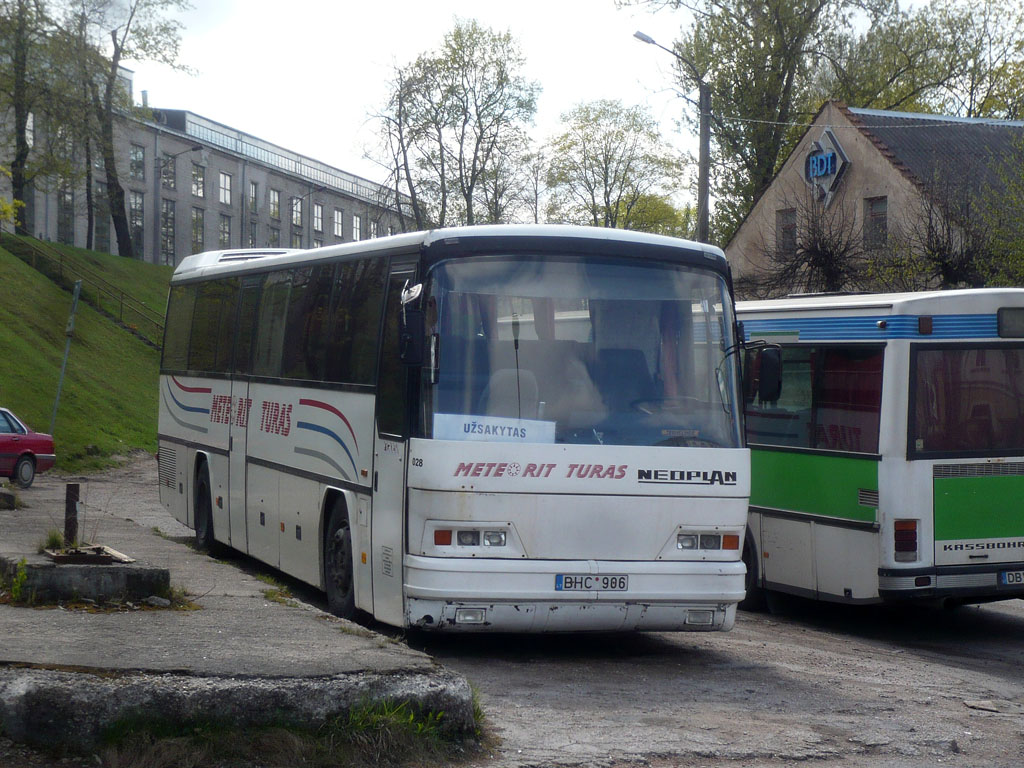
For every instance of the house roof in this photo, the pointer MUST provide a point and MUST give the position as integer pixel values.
(938, 149)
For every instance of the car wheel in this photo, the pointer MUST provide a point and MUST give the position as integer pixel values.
(338, 568)
(24, 472)
(204, 510)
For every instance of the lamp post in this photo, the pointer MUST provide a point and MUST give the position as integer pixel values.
(704, 158)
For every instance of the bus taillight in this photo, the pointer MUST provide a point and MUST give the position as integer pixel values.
(905, 540)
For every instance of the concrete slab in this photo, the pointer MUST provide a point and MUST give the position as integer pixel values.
(241, 655)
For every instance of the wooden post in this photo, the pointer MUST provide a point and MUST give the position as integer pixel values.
(71, 514)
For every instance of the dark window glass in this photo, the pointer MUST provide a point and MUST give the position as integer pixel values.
(392, 385)
(831, 400)
(305, 342)
(876, 222)
(785, 232)
(354, 321)
(248, 307)
(179, 324)
(270, 325)
(213, 326)
(968, 400)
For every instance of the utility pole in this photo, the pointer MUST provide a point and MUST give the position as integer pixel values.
(704, 158)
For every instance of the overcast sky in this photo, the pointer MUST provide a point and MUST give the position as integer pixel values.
(305, 74)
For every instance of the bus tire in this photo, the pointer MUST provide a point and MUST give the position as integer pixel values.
(756, 599)
(339, 580)
(204, 510)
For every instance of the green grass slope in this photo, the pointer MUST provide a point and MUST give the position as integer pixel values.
(108, 404)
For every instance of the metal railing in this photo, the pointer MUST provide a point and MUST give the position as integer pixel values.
(130, 312)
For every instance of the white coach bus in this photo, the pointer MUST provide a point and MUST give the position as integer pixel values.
(490, 428)
(892, 465)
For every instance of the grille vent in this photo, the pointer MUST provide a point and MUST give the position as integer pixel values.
(867, 498)
(168, 466)
(986, 469)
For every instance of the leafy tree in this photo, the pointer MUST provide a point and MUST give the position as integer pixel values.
(453, 123)
(608, 161)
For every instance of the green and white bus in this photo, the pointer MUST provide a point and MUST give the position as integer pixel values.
(891, 467)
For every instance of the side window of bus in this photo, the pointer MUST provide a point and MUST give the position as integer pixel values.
(353, 324)
(248, 308)
(306, 337)
(831, 399)
(270, 324)
(182, 301)
(392, 381)
(213, 326)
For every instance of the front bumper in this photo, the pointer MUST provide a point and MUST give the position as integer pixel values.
(473, 595)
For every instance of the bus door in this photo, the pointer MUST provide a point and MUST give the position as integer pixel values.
(387, 532)
(241, 406)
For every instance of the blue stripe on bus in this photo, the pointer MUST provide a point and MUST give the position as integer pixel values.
(866, 328)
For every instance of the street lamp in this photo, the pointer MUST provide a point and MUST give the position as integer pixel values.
(704, 160)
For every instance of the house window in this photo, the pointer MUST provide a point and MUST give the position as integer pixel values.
(876, 222)
(356, 227)
(785, 232)
(66, 216)
(198, 230)
(198, 180)
(224, 231)
(225, 188)
(167, 231)
(297, 211)
(253, 197)
(168, 171)
(274, 237)
(136, 221)
(275, 204)
(296, 239)
(318, 217)
(373, 229)
(339, 223)
(253, 227)
(318, 242)
(137, 163)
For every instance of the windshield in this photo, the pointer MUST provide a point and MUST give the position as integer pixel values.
(569, 350)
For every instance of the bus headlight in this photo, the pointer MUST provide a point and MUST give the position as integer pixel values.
(686, 541)
(469, 538)
(494, 538)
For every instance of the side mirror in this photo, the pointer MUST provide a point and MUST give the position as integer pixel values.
(769, 383)
(411, 327)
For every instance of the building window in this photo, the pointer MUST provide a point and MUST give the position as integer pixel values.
(167, 231)
(198, 230)
(275, 204)
(137, 221)
(318, 242)
(373, 229)
(137, 163)
(224, 231)
(785, 232)
(318, 217)
(297, 211)
(168, 171)
(339, 223)
(253, 197)
(274, 237)
(66, 216)
(356, 227)
(198, 180)
(876, 222)
(296, 239)
(253, 228)
(225, 188)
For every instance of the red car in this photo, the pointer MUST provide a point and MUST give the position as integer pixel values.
(22, 451)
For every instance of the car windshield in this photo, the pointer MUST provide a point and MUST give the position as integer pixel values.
(572, 350)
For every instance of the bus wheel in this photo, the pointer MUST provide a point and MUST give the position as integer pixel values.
(755, 599)
(340, 587)
(204, 510)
